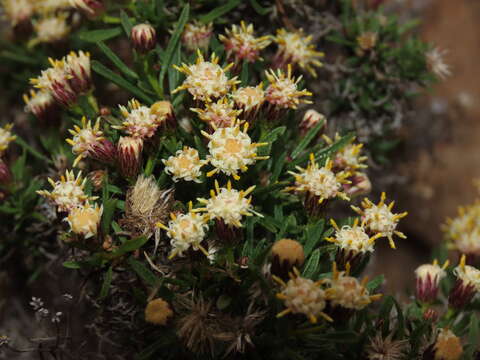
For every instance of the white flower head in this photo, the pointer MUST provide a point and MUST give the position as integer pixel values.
(185, 165)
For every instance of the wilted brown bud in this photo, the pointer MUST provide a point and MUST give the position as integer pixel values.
(310, 120)
(286, 254)
(367, 40)
(163, 110)
(91, 8)
(448, 346)
(158, 312)
(129, 151)
(97, 177)
(105, 111)
(144, 37)
(5, 174)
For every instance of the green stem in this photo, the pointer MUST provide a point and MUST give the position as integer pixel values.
(92, 100)
(107, 19)
(151, 78)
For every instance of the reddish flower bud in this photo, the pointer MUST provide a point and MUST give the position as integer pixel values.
(310, 120)
(96, 178)
(286, 254)
(129, 155)
(5, 174)
(466, 286)
(428, 278)
(430, 315)
(42, 105)
(144, 37)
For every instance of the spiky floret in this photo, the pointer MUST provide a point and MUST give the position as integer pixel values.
(232, 150)
(302, 296)
(186, 231)
(6, 137)
(67, 192)
(241, 42)
(52, 28)
(196, 35)
(228, 205)
(206, 80)
(185, 165)
(318, 181)
(296, 48)
(350, 156)
(140, 121)
(353, 239)
(463, 231)
(283, 89)
(379, 218)
(85, 139)
(250, 97)
(85, 219)
(220, 113)
(17, 11)
(346, 291)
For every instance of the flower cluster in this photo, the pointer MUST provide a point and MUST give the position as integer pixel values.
(463, 231)
(140, 121)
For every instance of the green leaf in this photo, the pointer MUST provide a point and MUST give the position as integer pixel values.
(31, 150)
(126, 23)
(99, 35)
(244, 74)
(375, 282)
(473, 336)
(173, 75)
(258, 8)
(172, 44)
(108, 212)
(116, 60)
(313, 236)
(107, 281)
(311, 266)
(143, 272)
(219, 11)
(72, 264)
(102, 70)
(130, 245)
(307, 139)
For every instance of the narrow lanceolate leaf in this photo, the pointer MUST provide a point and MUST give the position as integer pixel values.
(116, 60)
(302, 145)
(311, 266)
(107, 281)
(143, 272)
(169, 52)
(120, 81)
(258, 8)
(100, 35)
(219, 11)
(126, 23)
(130, 245)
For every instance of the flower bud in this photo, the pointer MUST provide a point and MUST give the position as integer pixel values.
(448, 346)
(466, 286)
(42, 105)
(430, 315)
(97, 178)
(158, 312)
(164, 112)
(129, 152)
(197, 36)
(5, 174)
(78, 70)
(360, 185)
(310, 120)
(91, 8)
(144, 37)
(428, 278)
(85, 219)
(286, 254)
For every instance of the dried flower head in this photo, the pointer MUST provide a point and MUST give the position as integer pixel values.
(302, 296)
(158, 312)
(186, 231)
(385, 348)
(89, 141)
(145, 205)
(228, 205)
(218, 114)
(463, 231)
(346, 291)
(144, 37)
(296, 48)
(6, 137)
(196, 35)
(379, 219)
(241, 44)
(232, 150)
(185, 165)
(367, 40)
(41, 104)
(18, 11)
(68, 192)
(319, 182)
(428, 279)
(448, 346)
(206, 80)
(85, 219)
(139, 120)
(436, 63)
(283, 89)
(52, 28)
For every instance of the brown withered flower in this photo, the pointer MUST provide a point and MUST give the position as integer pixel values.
(385, 348)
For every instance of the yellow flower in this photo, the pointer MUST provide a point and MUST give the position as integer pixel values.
(185, 165)
(85, 219)
(320, 182)
(353, 239)
(6, 137)
(206, 80)
(283, 89)
(228, 205)
(379, 219)
(295, 48)
(232, 150)
(158, 312)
